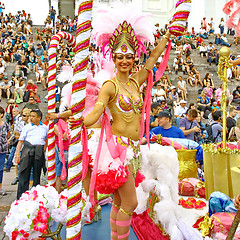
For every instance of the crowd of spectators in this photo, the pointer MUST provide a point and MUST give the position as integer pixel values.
(23, 89)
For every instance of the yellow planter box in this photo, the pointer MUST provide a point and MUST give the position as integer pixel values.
(217, 170)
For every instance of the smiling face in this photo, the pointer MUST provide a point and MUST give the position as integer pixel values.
(123, 62)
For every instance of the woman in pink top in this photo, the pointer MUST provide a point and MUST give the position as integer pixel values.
(218, 95)
(209, 90)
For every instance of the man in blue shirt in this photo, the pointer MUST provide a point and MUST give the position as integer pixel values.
(165, 127)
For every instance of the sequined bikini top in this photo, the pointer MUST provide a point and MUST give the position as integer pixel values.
(125, 104)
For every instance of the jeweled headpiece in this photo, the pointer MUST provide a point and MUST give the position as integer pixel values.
(123, 39)
(122, 29)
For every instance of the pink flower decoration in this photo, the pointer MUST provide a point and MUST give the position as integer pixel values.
(43, 215)
(39, 226)
(22, 234)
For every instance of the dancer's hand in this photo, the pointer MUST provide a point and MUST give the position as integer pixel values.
(237, 202)
(71, 120)
(52, 116)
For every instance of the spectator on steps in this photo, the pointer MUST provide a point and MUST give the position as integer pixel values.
(236, 95)
(178, 64)
(188, 63)
(5, 89)
(173, 97)
(182, 88)
(189, 125)
(204, 104)
(19, 90)
(4, 132)
(39, 50)
(155, 109)
(31, 59)
(224, 41)
(221, 26)
(203, 50)
(31, 90)
(23, 65)
(180, 111)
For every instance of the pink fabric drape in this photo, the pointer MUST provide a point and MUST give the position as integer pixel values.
(147, 100)
(116, 151)
(62, 127)
(85, 158)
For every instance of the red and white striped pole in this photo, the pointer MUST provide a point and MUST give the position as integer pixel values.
(52, 72)
(77, 106)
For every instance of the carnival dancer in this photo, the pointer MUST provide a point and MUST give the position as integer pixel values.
(122, 96)
(121, 33)
(119, 160)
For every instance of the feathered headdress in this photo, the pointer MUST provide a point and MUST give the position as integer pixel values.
(122, 29)
(232, 8)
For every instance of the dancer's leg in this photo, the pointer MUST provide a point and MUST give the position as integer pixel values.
(127, 193)
(113, 215)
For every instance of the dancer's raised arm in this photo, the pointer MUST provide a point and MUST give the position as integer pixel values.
(142, 75)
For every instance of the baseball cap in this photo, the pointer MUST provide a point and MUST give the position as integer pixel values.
(30, 81)
(182, 101)
(173, 87)
(5, 77)
(164, 114)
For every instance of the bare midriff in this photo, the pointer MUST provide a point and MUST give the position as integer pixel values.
(126, 129)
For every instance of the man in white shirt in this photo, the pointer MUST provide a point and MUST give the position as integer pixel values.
(180, 111)
(32, 139)
(211, 26)
(224, 40)
(210, 47)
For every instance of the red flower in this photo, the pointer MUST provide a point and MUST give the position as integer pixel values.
(188, 204)
(39, 226)
(200, 204)
(22, 234)
(43, 215)
(180, 201)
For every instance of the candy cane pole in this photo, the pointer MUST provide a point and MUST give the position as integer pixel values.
(52, 99)
(77, 106)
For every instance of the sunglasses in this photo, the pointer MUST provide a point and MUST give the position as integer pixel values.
(24, 115)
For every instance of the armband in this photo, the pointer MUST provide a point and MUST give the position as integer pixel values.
(146, 68)
(166, 37)
(100, 103)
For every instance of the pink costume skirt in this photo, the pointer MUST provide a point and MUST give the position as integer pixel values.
(113, 172)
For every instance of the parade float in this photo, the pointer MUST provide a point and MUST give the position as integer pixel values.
(161, 212)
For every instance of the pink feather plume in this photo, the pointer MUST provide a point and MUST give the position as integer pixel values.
(234, 18)
(107, 20)
(230, 5)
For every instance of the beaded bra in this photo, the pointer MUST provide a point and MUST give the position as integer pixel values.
(125, 104)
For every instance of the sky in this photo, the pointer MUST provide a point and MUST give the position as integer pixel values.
(37, 8)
